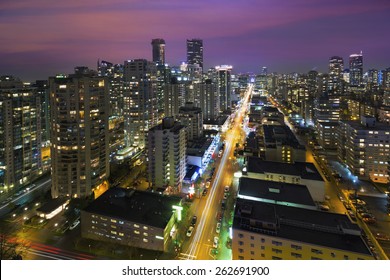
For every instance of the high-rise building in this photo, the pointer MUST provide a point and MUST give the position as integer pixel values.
(327, 108)
(20, 133)
(163, 79)
(336, 68)
(356, 69)
(224, 86)
(364, 147)
(167, 155)
(158, 50)
(209, 99)
(192, 118)
(140, 100)
(79, 134)
(114, 74)
(174, 97)
(195, 52)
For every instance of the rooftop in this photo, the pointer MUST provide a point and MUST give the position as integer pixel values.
(359, 126)
(149, 208)
(281, 134)
(329, 123)
(276, 192)
(52, 205)
(306, 170)
(199, 146)
(307, 226)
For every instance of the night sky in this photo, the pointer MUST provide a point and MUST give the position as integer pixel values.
(40, 38)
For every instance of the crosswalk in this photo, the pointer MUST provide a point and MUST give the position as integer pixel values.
(183, 256)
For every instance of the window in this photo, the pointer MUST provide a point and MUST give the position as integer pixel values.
(314, 258)
(277, 251)
(296, 255)
(262, 255)
(240, 257)
(346, 257)
(262, 247)
(315, 251)
(241, 250)
(262, 240)
(296, 247)
(252, 245)
(252, 237)
(240, 235)
(252, 252)
(277, 243)
(276, 258)
(333, 255)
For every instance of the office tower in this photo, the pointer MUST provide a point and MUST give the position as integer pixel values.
(167, 155)
(79, 108)
(174, 97)
(336, 68)
(224, 86)
(192, 118)
(158, 49)
(140, 100)
(356, 69)
(195, 52)
(209, 99)
(364, 147)
(20, 133)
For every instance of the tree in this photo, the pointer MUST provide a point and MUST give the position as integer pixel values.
(11, 247)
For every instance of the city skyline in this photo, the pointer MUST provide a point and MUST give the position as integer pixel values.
(40, 39)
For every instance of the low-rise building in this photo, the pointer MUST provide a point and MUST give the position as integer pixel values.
(280, 144)
(146, 220)
(270, 231)
(301, 173)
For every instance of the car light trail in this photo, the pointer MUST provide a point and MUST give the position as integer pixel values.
(195, 245)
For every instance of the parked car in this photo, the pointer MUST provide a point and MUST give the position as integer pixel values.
(204, 192)
(74, 224)
(218, 228)
(226, 189)
(324, 207)
(215, 243)
(189, 231)
(352, 215)
(193, 221)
